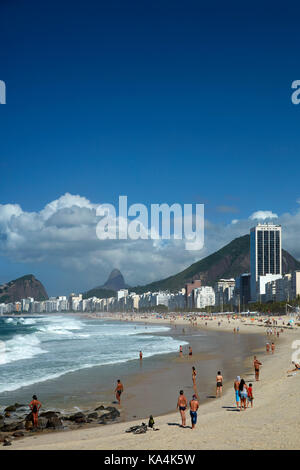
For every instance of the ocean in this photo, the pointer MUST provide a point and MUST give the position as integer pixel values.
(40, 349)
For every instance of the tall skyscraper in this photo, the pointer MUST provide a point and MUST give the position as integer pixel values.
(265, 254)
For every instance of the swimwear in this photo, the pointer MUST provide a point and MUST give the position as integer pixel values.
(219, 384)
(119, 392)
(182, 408)
(193, 416)
(237, 396)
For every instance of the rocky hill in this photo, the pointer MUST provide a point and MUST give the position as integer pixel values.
(25, 286)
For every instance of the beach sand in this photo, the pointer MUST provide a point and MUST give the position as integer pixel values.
(273, 423)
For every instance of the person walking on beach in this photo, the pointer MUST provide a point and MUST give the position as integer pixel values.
(141, 355)
(194, 374)
(256, 364)
(236, 385)
(273, 348)
(119, 390)
(180, 351)
(35, 406)
(181, 405)
(243, 391)
(194, 405)
(219, 386)
(250, 395)
(268, 348)
(190, 351)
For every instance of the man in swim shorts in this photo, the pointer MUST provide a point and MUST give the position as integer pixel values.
(194, 405)
(219, 380)
(236, 385)
(256, 364)
(119, 389)
(181, 405)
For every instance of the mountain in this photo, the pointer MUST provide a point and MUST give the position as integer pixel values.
(114, 283)
(26, 286)
(230, 261)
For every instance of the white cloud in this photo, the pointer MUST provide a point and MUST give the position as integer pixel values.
(263, 215)
(63, 234)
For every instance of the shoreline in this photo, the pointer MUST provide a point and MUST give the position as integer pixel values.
(125, 441)
(143, 380)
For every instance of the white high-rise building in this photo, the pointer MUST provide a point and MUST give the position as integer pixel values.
(265, 256)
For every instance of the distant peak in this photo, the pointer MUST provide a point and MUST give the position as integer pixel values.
(113, 274)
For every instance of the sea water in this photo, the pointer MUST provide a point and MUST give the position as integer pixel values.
(36, 349)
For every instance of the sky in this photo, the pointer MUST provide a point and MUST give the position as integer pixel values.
(165, 102)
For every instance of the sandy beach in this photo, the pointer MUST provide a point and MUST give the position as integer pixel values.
(271, 424)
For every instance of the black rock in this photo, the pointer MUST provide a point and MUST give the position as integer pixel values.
(100, 408)
(76, 416)
(9, 427)
(50, 414)
(18, 434)
(54, 422)
(93, 415)
(6, 443)
(11, 408)
(80, 420)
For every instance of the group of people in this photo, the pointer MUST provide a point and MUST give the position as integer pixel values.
(272, 347)
(182, 405)
(243, 393)
(181, 351)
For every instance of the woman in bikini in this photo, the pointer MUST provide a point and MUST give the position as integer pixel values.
(194, 374)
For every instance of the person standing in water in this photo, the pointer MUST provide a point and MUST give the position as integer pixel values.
(180, 351)
(35, 406)
(119, 390)
(141, 355)
(181, 405)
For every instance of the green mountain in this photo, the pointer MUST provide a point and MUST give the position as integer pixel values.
(99, 292)
(230, 261)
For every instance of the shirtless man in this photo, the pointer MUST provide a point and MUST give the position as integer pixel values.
(256, 365)
(181, 405)
(219, 380)
(180, 351)
(194, 405)
(236, 385)
(268, 347)
(190, 351)
(119, 389)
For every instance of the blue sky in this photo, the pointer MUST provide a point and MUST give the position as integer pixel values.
(161, 101)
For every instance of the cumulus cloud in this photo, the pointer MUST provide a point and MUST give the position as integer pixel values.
(263, 215)
(63, 235)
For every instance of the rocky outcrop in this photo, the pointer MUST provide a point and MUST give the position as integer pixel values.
(20, 422)
(21, 288)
